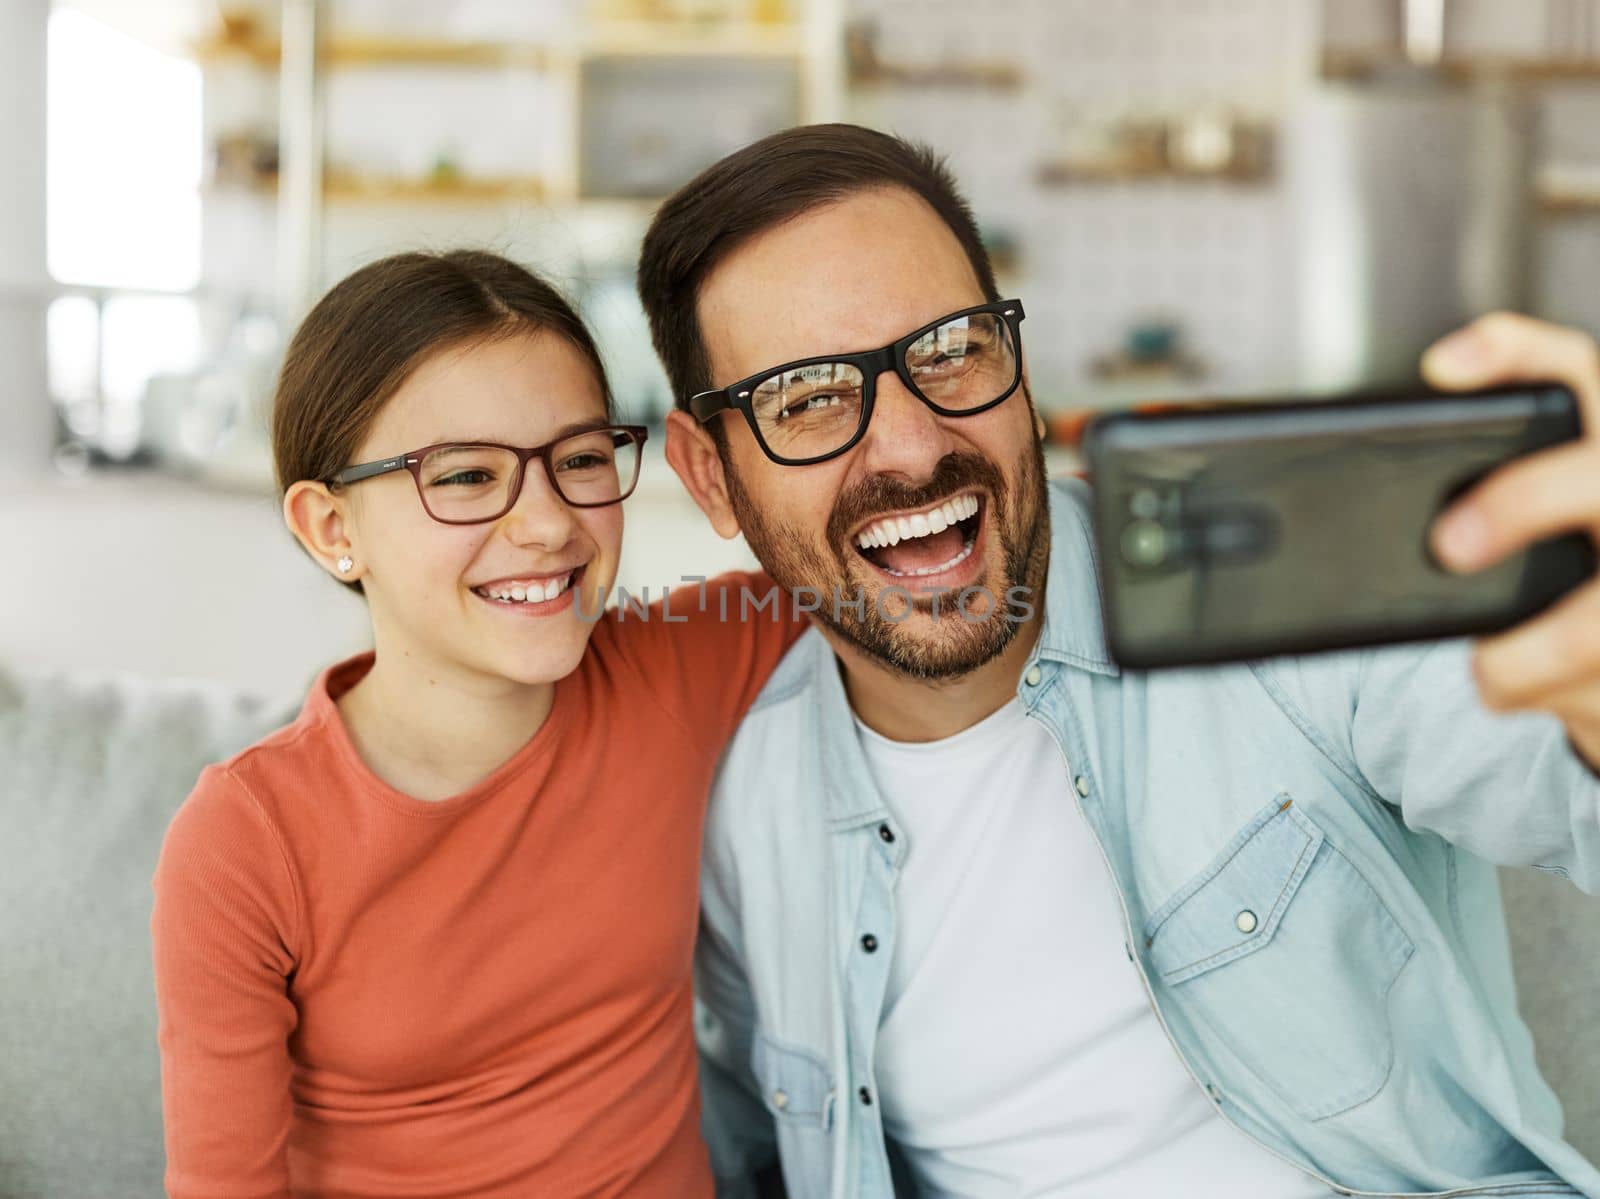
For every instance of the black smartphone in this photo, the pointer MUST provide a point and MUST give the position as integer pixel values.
(1245, 530)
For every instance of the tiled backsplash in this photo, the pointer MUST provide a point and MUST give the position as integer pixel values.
(1097, 257)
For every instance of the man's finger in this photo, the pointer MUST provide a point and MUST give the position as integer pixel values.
(1505, 347)
(1578, 708)
(1557, 491)
(1554, 652)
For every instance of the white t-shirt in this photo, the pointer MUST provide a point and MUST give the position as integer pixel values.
(1018, 1053)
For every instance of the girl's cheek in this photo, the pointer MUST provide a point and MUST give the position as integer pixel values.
(605, 528)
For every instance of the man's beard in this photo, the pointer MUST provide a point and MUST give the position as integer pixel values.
(960, 643)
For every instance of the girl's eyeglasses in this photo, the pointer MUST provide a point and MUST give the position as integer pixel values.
(469, 483)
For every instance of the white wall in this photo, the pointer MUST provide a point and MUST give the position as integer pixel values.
(130, 573)
(26, 428)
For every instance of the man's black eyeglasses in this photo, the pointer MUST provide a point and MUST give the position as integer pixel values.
(817, 408)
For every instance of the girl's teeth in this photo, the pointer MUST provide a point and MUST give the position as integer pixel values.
(533, 593)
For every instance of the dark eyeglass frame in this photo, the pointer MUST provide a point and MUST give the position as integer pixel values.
(871, 363)
(413, 459)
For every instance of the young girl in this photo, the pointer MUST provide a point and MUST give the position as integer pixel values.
(434, 938)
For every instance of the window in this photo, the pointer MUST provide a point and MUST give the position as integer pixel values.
(123, 160)
(123, 168)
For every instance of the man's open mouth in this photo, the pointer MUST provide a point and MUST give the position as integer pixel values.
(925, 543)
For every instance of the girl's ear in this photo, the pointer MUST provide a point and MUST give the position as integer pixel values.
(693, 454)
(319, 522)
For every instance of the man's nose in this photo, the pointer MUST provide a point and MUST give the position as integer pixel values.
(905, 436)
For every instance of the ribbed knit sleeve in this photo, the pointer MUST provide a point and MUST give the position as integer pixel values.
(706, 654)
(225, 929)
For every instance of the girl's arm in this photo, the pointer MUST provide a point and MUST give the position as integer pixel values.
(707, 649)
(223, 928)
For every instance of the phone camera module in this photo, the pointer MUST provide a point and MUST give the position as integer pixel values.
(1144, 543)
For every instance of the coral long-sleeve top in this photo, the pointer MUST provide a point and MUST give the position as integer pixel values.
(365, 994)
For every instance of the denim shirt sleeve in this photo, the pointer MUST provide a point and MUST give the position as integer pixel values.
(1406, 725)
(737, 1126)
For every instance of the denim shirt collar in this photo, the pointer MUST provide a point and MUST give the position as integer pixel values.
(1074, 627)
(1073, 634)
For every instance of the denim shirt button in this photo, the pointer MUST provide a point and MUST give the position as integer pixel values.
(1082, 784)
(1033, 676)
(780, 1099)
(869, 943)
(886, 834)
(1245, 922)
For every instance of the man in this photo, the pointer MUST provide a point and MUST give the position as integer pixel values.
(984, 915)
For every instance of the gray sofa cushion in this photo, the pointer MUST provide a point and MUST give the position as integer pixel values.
(1555, 943)
(90, 774)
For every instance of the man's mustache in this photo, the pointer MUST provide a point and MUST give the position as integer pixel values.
(955, 472)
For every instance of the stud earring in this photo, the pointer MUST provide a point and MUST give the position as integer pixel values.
(346, 564)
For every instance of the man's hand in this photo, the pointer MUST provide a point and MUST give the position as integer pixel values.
(1551, 662)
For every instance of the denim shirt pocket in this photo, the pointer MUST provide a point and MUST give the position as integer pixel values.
(1280, 949)
(797, 1088)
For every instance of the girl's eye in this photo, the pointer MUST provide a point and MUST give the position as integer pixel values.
(465, 478)
(584, 462)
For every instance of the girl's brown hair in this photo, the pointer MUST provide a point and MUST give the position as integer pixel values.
(370, 332)
(365, 337)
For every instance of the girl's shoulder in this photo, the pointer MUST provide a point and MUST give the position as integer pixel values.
(259, 784)
(242, 798)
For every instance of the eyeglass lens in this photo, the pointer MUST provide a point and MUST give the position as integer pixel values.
(811, 410)
(466, 483)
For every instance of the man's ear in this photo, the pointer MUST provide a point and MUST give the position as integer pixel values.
(318, 523)
(1041, 431)
(693, 454)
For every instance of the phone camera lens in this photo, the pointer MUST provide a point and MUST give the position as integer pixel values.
(1145, 503)
(1144, 544)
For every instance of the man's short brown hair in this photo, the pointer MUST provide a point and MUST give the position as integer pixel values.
(761, 186)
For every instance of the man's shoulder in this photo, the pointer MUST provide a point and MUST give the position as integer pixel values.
(775, 746)
(797, 673)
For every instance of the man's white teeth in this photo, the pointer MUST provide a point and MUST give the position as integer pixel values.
(532, 593)
(966, 552)
(892, 530)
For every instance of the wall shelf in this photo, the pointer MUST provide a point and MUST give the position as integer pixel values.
(1569, 202)
(638, 39)
(384, 51)
(1003, 76)
(1346, 66)
(455, 190)
(1072, 174)
(655, 39)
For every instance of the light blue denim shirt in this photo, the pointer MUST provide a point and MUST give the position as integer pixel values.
(1365, 1030)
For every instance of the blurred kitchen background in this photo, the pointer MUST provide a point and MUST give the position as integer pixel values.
(1192, 196)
